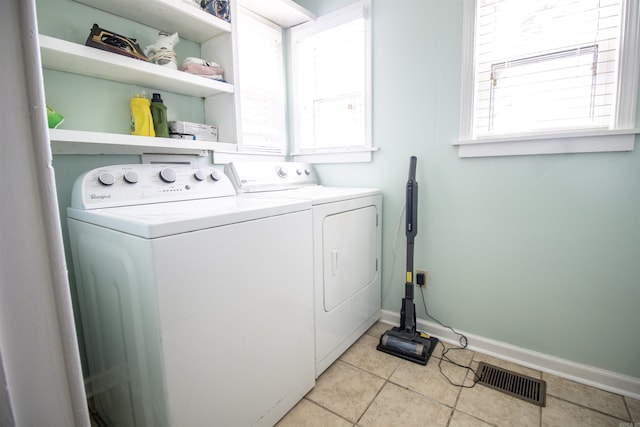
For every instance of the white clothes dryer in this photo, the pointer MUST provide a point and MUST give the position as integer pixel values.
(346, 248)
(196, 305)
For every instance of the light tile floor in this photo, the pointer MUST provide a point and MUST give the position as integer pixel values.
(368, 388)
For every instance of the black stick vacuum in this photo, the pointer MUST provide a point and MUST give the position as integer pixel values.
(405, 341)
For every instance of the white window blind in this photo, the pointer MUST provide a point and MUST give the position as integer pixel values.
(330, 62)
(261, 84)
(545, 65)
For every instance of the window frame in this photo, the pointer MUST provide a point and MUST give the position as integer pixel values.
(360, 153)
(619, 137)
(268, 149)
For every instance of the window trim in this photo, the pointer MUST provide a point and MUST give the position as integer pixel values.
(281, 149)
(619, 138)
(340, 154)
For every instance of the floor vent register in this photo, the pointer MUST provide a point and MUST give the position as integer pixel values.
(520, 386)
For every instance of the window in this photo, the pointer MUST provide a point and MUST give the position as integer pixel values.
(331, 84)
(261, 85)
(547, 91)
(549, 76)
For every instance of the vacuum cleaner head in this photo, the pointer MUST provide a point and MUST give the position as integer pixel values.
(409, 345)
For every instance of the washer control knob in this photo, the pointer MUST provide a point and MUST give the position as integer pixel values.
(299, 171)
(307, 171)
(215, 175)
(168, 175)
(282, 172)
(106, 178)
(199, 175)
(131, 177)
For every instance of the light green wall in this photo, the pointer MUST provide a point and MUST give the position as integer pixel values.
(542, 252)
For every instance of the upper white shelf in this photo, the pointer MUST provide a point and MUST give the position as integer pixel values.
(285, 13)
(62, 55)
(65, 141)
(188, 20)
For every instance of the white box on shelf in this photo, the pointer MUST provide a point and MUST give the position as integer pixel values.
(198, 130)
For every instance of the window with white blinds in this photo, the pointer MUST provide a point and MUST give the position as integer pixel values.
(545, 64)
(261, 84)
(543, 67)
(331, 83)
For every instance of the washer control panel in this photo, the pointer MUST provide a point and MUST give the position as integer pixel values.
(124, 185)
(248, 177)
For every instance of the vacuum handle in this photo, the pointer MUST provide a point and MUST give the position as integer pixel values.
(412, 201)
(407, 313)
(412, 168)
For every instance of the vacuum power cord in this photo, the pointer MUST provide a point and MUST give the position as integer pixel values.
(464, 342)
(394, 253)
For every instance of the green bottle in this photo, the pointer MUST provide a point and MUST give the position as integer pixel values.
(159, 114)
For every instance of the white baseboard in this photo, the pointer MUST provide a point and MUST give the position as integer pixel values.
(588, 375)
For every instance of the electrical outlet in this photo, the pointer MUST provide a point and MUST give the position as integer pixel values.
(421, 277)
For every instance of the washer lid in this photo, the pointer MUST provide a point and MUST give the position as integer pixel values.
(165, 219)
(318, 194)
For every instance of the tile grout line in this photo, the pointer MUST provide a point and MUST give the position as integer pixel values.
(386, 381)
(327, 409)
(455, 404)
(541, 408)
(432, 399)
(472, 372)
(626, 405)
(592, 409)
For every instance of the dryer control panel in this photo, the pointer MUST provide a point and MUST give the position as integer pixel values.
(124, 185)
(249, 177)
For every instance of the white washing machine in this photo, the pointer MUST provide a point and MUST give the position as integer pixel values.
(346, 246)
(196, 305)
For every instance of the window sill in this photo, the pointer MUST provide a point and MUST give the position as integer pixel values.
(593, 141)
(360, 155)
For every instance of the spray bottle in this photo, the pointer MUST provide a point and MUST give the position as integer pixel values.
(159, 114)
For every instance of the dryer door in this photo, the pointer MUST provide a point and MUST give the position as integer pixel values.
(349, 254)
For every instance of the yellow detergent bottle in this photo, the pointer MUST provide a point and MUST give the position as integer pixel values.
(141, 120)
